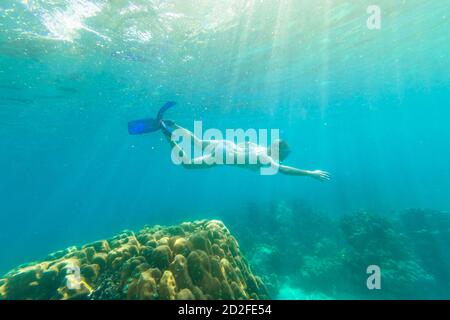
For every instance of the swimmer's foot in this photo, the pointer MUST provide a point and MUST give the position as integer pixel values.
(166, 126)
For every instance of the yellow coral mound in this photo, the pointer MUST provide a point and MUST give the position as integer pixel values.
(194, 260)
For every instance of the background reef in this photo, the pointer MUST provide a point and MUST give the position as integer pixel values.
(193, 260)
(328, 255)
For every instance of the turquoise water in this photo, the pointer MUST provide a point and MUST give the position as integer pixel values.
(368, 106)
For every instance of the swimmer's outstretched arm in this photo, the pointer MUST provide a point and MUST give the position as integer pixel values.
(291, 171)
(316, 174)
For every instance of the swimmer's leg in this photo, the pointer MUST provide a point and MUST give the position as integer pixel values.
(203, 162)
(197, 142)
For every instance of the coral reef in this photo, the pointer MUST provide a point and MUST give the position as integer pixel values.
(429, 234)
(375, 240)
(194, 260)
(316, 254)
(287, 234)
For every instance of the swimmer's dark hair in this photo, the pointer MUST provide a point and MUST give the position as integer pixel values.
(283, 149)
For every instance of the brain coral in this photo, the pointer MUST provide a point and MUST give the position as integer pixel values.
(194, 260)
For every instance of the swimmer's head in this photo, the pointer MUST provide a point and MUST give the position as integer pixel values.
(283, 149)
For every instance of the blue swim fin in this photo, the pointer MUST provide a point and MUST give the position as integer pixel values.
(143, 126)
(150, 124)
(167, 105)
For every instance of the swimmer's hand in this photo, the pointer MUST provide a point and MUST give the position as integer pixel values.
(320, 175)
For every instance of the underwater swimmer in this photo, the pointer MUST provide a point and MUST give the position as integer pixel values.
(224, 149)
